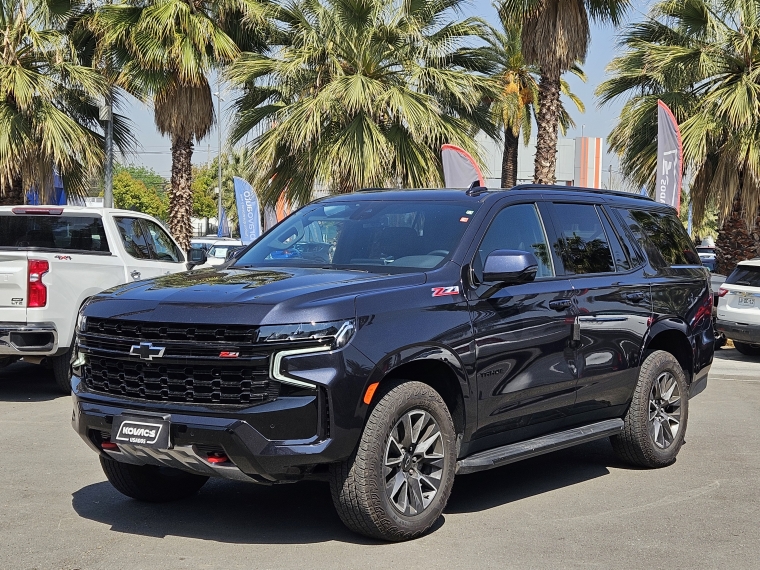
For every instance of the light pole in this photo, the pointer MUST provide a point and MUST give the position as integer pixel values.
(219, 100)
(106, 114)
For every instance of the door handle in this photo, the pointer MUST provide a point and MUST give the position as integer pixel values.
(560, 304)
(635, 297)
(135, 275)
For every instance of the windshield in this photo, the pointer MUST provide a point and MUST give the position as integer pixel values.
(747, 275)
(370, 236)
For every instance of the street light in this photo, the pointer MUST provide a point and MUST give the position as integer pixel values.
(219, 99)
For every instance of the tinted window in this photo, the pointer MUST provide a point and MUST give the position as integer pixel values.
(747, 275)
(133, 237)
(372, 236)
(582, 244)
(163, 248)
(518, 227)
(662, 236)
(622, 261)
(72, 233)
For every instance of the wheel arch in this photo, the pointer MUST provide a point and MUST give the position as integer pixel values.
(672, 337)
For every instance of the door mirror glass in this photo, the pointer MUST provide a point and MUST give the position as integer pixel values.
(510, 267)
(197, 257)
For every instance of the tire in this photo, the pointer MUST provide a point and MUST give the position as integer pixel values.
(747, 349)
(61, 366)
(647, 439)
(151, 483)
(358, 485)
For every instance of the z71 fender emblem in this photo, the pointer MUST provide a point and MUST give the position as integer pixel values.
(445, 291)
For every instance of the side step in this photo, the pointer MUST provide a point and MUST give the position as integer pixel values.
(524, 449)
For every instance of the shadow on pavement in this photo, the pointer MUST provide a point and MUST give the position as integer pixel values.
(302, 513)
(23, 382)
(732, 354)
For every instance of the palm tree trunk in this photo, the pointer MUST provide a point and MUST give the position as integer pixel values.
(509, 159)
(548, 127)
(181, 195)
(13, 195)
(735, 242)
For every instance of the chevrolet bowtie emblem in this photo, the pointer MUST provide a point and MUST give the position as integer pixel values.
(146, 351)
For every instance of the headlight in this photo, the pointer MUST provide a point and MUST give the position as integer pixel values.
(81, 320)
(340, 332)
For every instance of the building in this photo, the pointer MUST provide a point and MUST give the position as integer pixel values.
(579, 161)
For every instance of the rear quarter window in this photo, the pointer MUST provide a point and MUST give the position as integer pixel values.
(662, 236)
(49, 232)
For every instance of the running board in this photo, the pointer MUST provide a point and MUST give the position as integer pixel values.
(523, 450)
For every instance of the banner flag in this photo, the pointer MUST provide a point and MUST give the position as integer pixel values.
(224, 225)
(249, 215)
(459, 168)
(669, 158)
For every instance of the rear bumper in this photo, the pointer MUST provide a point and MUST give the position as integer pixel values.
(21, 339)
(739, 331)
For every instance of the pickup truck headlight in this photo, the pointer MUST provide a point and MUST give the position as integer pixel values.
(340, 332)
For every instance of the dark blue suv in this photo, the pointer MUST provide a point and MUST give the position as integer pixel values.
(388, 340)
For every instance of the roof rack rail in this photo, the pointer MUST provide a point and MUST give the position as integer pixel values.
(559, 188)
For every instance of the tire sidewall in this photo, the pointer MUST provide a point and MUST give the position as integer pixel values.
(386, 416)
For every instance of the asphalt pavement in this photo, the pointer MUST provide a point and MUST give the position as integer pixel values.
(574, 508)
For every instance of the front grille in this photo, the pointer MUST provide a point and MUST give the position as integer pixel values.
(190, 369)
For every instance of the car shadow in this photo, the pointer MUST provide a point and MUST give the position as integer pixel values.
(730, 353)
(24, 382)
(302, 513)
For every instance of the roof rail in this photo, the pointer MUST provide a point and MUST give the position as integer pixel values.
(558, 188)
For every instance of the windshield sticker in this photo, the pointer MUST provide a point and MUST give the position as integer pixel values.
(464, 219)
(445, 291)
(470, 212)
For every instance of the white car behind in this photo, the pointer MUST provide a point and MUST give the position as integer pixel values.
(217, 253)
(739, 307)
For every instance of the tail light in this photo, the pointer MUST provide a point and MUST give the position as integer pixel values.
(722, 292)
(37, 290)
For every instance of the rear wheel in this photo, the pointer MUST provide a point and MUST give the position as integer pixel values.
(747, 349)
(397, 483)
(655, 424)
(151, 483)
(62, 371)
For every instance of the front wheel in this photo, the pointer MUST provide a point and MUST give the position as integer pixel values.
(151, 483)
(655, 424)
(397, 483)
(747, 349)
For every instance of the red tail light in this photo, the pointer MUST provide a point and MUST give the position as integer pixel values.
(37, 290)
(722, 292)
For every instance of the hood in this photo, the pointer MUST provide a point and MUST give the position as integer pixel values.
(245, 296)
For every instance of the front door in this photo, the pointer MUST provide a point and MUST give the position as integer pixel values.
(149, 250)
(525, 370)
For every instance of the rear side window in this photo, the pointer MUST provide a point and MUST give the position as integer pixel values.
(746, 275)
(662, 236)
(64, 233)
(581, 241)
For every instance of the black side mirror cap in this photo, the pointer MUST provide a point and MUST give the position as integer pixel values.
(234, 252)
(510, 267)
(196, 257)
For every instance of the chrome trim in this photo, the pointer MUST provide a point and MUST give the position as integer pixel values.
(7, 329)
(275, 372)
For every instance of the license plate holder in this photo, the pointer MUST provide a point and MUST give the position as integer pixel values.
(142, 431)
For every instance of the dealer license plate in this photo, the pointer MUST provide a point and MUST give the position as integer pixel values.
(746, 301)
(142, 431)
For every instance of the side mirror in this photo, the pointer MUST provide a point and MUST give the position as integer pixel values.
(510, 267)
(234, 252)
(196, 257)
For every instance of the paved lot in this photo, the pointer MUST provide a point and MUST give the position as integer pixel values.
(573, 508)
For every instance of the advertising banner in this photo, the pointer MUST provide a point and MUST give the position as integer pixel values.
(459, 168)
(669, 158)
(249, 215)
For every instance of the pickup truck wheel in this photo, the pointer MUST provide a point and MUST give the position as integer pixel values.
(62, 371)
(396, 484)
(151, 483)
(655, 424)
(747, 349)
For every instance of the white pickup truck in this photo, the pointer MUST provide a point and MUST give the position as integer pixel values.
(54, 258)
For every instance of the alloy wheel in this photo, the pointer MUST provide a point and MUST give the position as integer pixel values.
(664, 410)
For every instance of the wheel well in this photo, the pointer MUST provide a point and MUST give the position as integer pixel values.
(441, 378)
(676, 343)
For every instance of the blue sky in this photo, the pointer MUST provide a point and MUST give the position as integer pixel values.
(155, 152)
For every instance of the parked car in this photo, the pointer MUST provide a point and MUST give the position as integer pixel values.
(217, 253)
(52, 259)
(206, 242)
(716, 282)
(739, 307)
(388, 340)
(706, 251)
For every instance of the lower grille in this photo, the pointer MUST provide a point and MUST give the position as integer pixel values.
(207, 383)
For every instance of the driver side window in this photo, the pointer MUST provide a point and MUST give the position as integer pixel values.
(518, 228)
(163, 248)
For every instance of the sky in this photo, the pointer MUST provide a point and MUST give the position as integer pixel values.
(155, 152)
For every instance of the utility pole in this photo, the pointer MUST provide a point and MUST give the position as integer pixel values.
(219, 153)
(609, 184)
(106, 114)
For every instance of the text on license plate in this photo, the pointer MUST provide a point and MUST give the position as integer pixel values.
(746, 301)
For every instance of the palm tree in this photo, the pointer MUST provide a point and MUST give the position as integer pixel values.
(361, 93)
(166, 50)
(556, 35)
(701, 58)
(517, 100)
(48, 102)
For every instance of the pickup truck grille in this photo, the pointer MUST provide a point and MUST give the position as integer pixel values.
(191, 368)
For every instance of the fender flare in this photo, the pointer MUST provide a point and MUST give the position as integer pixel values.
(669, 323)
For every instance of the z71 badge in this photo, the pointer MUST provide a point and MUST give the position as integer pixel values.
(445, 291)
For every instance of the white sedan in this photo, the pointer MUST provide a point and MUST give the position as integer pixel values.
(217, 253)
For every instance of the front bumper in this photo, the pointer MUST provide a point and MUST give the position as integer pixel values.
(739, 331)
(22, 339)
(278, 441)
